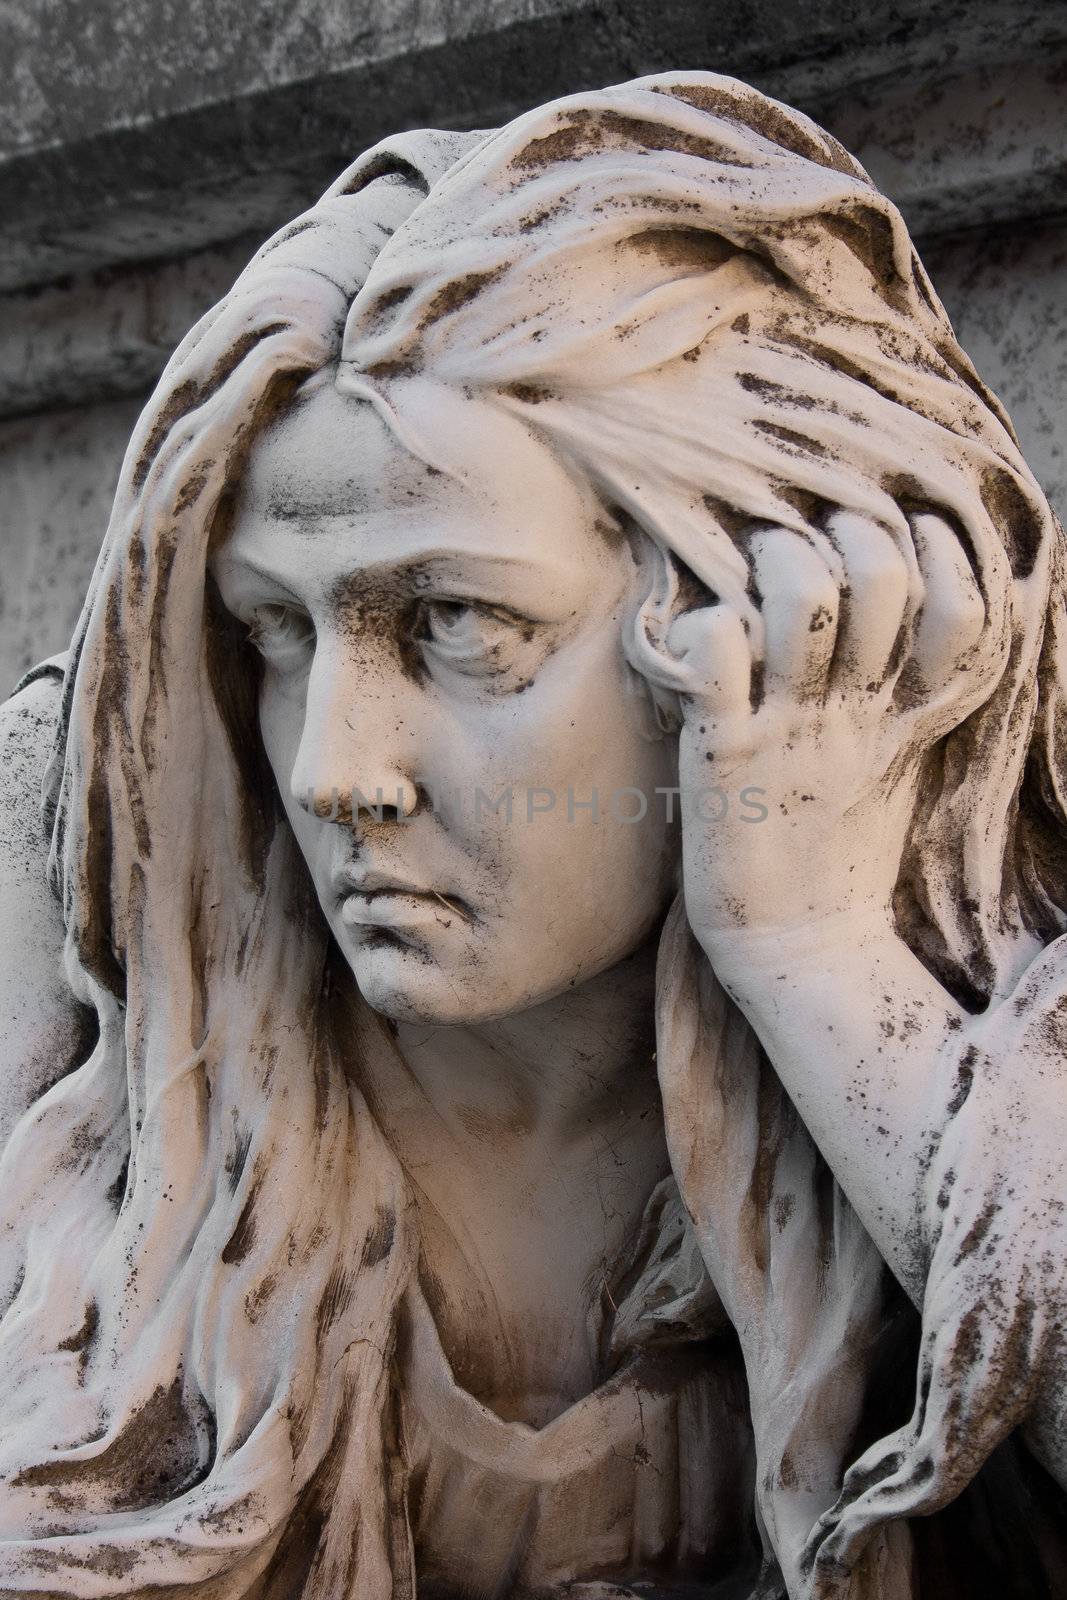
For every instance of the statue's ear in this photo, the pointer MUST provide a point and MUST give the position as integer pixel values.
(664, 711)
(687, 630)
(676, 640)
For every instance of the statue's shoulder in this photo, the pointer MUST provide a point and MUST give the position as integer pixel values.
(44, 1031)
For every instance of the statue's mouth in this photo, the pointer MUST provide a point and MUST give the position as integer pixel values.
(376, 899)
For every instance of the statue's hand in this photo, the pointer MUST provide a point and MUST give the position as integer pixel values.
(871, 646)
(993, 1224)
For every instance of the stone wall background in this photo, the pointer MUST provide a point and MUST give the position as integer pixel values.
(148, 146)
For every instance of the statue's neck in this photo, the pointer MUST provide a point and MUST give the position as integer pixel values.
(550, 1073)
(531, 1146)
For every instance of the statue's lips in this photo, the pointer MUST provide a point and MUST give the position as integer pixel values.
(394, 908)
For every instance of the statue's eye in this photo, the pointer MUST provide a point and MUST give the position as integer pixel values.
(472, 637)
(283, 635)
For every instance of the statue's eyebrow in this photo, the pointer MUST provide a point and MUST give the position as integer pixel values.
(482, 574)
(235, 562)
(431, 564)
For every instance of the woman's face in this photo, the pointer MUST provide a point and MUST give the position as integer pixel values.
(444, 644)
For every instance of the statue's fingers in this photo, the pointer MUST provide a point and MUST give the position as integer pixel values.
(841, 1534)
(973, 1390)
(952, 616)
(715, 660)
(878, 598)
(799, 602)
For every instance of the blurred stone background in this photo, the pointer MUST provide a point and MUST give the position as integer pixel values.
(148, 146)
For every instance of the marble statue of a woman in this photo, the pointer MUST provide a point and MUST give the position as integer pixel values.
(534, 1031)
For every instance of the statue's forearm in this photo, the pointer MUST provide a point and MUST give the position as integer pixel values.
(866, 1043)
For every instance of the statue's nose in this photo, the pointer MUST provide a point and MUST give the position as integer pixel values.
(356, 748)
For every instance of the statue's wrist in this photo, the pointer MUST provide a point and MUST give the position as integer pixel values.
(819, 940)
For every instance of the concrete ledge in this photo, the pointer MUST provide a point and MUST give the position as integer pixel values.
(983, 148)
(138, 129)
(108, 334)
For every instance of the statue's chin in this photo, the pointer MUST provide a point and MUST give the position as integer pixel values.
(407, 983)
(413, 983)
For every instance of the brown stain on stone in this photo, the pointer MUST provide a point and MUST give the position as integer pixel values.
(964, 1080)
(868, 235)
(380, 1238)
(230, 1519)
(826, 356)
(387, 164)
(405, 366)
(83, 1340)
(734, 523)
(978, 1230)
(1017, 522)
(771, 120)
(190, 491)
(681, 248)
(530, 394)
(586, 132)
(82, 1147)
(575, 138)
(614, 533)
(334, 1303)
(155, 1456)
(235, 1161)
(392, 298)
(116, 1191)
(770, 1140)
(258, 1297)
(390, 611)
(691, 592)
(182, 400)
(460, 292)
(781, 394)
(189, 394)
(537, 219)
(790, 438)
(243, 1237)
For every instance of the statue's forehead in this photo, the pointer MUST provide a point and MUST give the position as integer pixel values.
(329, 454)
(331, 492)
(432, 449)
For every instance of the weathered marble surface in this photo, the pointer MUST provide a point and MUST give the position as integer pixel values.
(575, 1201)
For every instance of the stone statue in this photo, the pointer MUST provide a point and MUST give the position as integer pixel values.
(534, 1031)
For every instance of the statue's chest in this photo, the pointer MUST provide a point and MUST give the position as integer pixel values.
(650, 1472)
(520, 1317)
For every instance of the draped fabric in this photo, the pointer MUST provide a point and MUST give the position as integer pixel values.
(700, 300)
